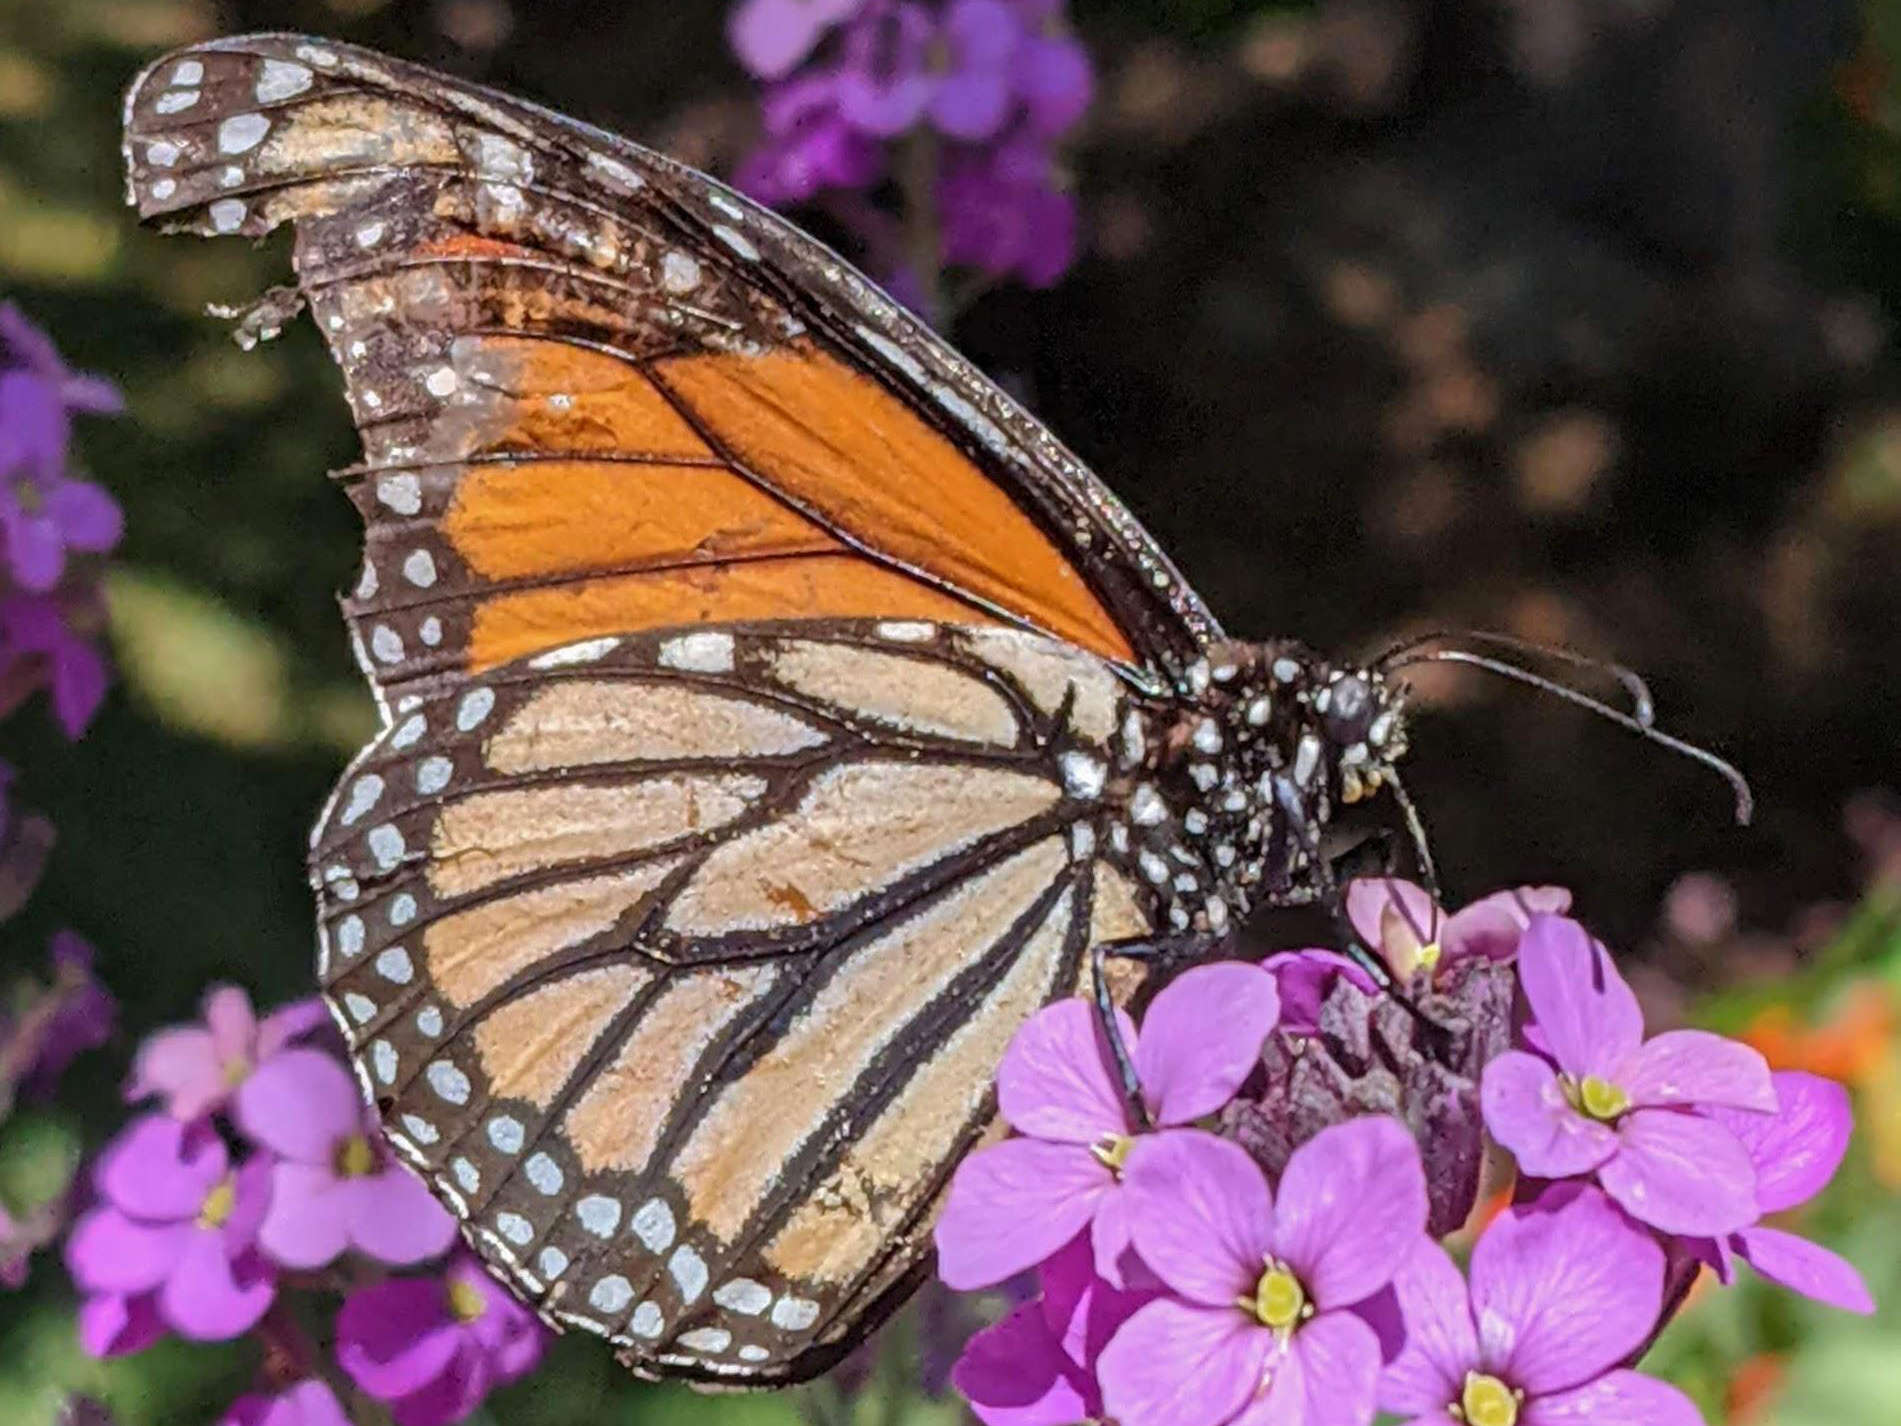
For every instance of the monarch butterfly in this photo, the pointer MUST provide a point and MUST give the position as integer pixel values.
(773, 714)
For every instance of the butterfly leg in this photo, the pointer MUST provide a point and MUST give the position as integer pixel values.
(1161, 950)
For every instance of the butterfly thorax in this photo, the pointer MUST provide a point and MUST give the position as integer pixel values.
(1245, 768)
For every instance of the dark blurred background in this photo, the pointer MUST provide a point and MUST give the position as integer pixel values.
(1573, 318)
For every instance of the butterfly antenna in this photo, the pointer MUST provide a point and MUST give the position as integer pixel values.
(1643, 707)
(1416, 829)
(1745, 799)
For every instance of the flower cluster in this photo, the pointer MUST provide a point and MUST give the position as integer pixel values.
(49, 601)
(261, 1170)
(962, 101)
(1249, 1236)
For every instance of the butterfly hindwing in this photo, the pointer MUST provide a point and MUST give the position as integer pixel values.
(681, 962)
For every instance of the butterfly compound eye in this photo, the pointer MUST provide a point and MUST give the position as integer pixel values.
(1349, 710)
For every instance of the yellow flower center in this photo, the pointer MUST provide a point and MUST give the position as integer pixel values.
(236, 1072)
(1279, 1300)
(219, 1203)
(1112, 1151)
(355, 1157)
(1601, 1099)
(1486, 1401)
(466, 1302)
(1427, 956)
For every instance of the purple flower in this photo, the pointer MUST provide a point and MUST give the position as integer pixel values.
(38, 644)
(1055, 81)
(433, 1348)
(172, 1241)
(809, 146)
(1412, 932)
(1558, 1298)
(1257, 1328)
(1037, 1367)
(72, 1016)
(31, 350)
(1016, 1203)
(334, 1185)
(1004, 214)
(975, 92)
(1618, 1106)
(308, 1403)
(196, 1068)
(886, 81)
(1796, 1152)
(1306, 979)
(43, 511)
(773, 37)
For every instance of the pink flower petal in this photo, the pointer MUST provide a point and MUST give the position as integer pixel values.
(1586, 1013)
(287, 1023)
(204, 1300)
(160, 1169)
(1797, 1149)
(1352, 1208)
(1393, 916)
(181, 1064)
(1168, 1344)
(1682, 1067)
(1805, 1267)
(1110, 1236)
(1560, 1296)
(233, 1026)
(1282, 1398)
(393, 1217)
(1305, 979)
(1201, 1215)
(1490, 927)
(1526, 1110)
(307, 1224)
(1624, 1397)
(1441, 1345)
(1016, 1374)
(300, 1104)
(1202, 1036)
(112, 1325)
(396, 1337)
(1056, 1080)
(1339, 1366)
(1681, 1173)
(1014, 1204)
(108, 1252)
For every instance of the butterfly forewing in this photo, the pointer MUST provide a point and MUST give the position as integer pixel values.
(681, 963)
(699, 412)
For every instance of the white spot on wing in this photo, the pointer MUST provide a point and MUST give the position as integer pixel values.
(707, 1339)
(401, 493)
(704, 652)
(476, 705)
(441, 382)
(505, 1132)
(544, 1173)
(280, 80)
(794, 1314)
(395, 966)
(177, 101)
(419, 568)
(611, 1294)
(448, 1082)
(688, 1269)
(737, 241)
(585, 652)
(242, 132)
(189, 71)
(599, 1214)
(227, 215)
(679, 274)
(653, 1225)
(432, 775)
(364, 794)
(647, 1321)
(744, 1296)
